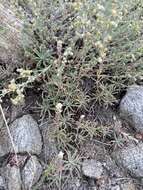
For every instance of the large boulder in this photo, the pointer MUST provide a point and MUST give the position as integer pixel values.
(25, 134)
(10, 35)
(131, 107)
(130, 158)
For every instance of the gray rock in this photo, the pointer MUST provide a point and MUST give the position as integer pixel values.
(92, 168)
(12, 177)
(49, 150)
(116, 187)
(112, 178)
(131, 107)
(111, 183)
(1, 121)
(130, 158)
(77, 184)
(2, 183)
(127, 186)
(31, 172)
(25, 134)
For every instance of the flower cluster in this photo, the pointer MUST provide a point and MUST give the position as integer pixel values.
(59, 107)
(24, 73)
(15, 89)
(68, 53)
(77, 5)
(19, 98)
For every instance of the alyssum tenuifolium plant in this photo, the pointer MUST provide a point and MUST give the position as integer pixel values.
(83, 51)
(100, 40)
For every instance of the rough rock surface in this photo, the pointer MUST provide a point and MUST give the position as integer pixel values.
(12, 177)
(31, 172)
(11, 37)
(116, 184)
(128, 186)
(26, 137)
(131, 107)
(130, 158)
(92, 168)
(2, 183)
(1, 121)
(49, 150)
(77, 185)
(112, 178)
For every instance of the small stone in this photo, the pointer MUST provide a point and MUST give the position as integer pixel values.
(26, 137)
(2, 184)
(12, 177)
(130, 158)
(92, 168)
(139, 136)
(49, 150)
(1, 121)
(112, 177)
(76, 184)
(128, 186)
(131, 107)
(31, 172)
(116, 187)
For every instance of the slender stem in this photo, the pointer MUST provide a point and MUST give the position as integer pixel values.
(9, 133)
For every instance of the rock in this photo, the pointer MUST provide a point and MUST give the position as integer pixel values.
(77, 184)
(49, 150)
(131, 107)
(116, 184)
(2, 183)
(127, 186)
(112, 177)
(21, 175)
(12, 177)
(25, 134)
(92, 168)
(11, 36)
(130, 158)
(116, 187)
(31, 172)
(1, 121)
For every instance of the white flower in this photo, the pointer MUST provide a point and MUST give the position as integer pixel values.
(59, 107)
(82, 116)
(100, 60)
(4, 91)
(59, 45)
(102, 54)
(18, 99)
(68, 52)
(99, 45)
(113, 23)
(114, 12)
(100, 7)
(12, 86)
(24, 73)
(114, 118)
(108, 38)
(61, 155)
